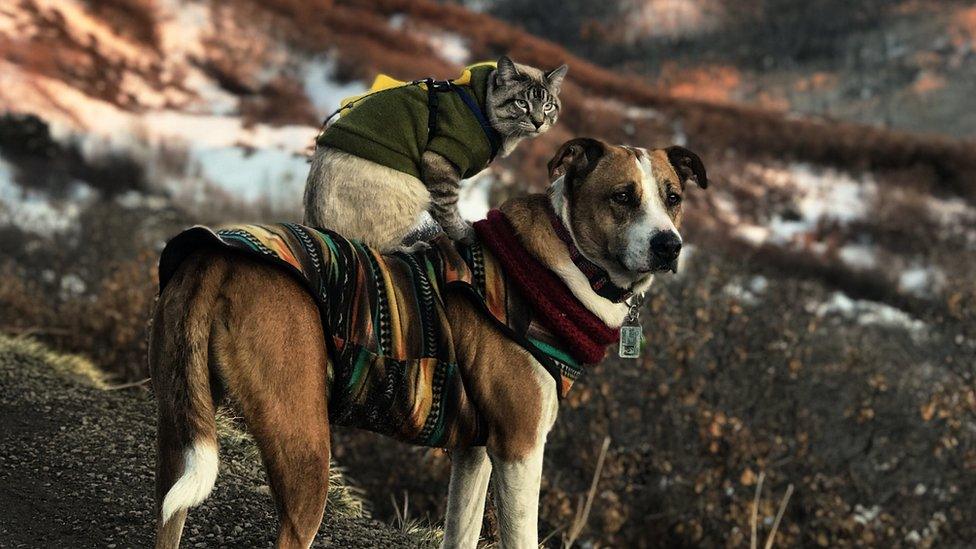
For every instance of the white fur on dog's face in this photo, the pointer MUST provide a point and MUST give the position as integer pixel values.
(654, 218)
(614, 200)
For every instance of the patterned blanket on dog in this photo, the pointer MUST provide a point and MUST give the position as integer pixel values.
(394, 369)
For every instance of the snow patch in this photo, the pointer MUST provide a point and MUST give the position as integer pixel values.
(450, 46)
(921, 281)
(72, 285)
(33, 211)
(758, 284)
(397, 21)
(473, 199)
(270, 174)
(247, 161)
(859, 256)
(866, 515)
(135, 199)
(820, 196)
(748, 293)
(949, 211)
(321, 87)
(739, 293)
(868, 313)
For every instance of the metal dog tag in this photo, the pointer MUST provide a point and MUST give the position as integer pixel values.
(630, 341)
(631, 335)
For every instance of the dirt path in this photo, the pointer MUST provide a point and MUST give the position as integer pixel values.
(76, 470)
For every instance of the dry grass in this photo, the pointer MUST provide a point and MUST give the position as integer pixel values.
(771, 538)
(72, 366)
(421, 531)
(585, 504)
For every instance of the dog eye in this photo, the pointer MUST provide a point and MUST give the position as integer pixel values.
(622, 198)
(674, 199)
(522, 104)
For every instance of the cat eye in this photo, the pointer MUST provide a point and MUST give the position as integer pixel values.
(522, 104)
(549, 106)
(673, 199)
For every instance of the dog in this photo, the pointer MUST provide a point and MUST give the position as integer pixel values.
(239, 316)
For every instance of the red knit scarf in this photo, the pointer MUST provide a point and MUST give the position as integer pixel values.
(586, 336)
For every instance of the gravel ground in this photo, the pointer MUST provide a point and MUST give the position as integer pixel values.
(76, 470)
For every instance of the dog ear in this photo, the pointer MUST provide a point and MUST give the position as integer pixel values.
(687, 165)
(576, 158)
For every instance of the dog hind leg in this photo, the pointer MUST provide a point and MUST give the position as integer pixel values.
(298, 470)
(271, 350)
(186, 463)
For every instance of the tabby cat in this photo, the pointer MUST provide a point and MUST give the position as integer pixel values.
(400, 153)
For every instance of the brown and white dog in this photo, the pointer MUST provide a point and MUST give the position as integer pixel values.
(622, 206)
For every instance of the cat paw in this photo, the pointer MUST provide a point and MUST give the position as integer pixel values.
(464, 234)
(416, 247)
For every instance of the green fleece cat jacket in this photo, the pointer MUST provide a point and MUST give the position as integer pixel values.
(390, 127)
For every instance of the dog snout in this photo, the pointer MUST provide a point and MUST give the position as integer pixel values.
(665, 246)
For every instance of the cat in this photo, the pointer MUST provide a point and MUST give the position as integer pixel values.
(378, 171)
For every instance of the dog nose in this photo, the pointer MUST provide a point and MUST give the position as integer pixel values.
(666, 245)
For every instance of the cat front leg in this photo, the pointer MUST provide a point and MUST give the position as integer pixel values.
(444, 183)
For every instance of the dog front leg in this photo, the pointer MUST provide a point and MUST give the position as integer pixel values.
(470, 471)
(517, 498)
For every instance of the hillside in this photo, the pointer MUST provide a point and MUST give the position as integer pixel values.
(822, 328)
(901, 64)
(76, 468)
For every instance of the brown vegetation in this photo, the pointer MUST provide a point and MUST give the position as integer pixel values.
(132, 18)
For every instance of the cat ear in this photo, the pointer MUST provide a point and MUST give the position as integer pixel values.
(687, 165)
(554, 78)
(575, 159)
(506, 71)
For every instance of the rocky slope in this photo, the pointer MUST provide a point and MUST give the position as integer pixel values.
(76, 468)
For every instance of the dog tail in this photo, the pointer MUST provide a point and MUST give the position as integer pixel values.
(199, 475)
(179, 355)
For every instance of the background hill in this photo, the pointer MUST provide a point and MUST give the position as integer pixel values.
(822, 328)
(902, 64)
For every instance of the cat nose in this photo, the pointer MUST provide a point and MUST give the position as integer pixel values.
(538, 123)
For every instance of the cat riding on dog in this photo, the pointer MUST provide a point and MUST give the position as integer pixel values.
(401, 151)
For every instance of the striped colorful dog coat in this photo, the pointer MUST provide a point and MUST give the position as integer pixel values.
(394, 369)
